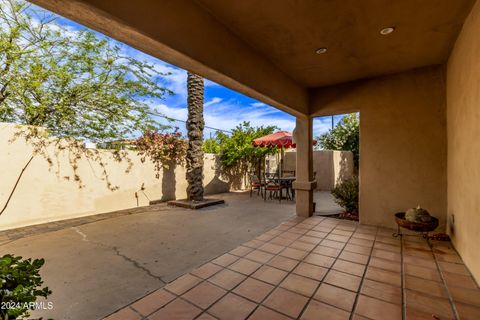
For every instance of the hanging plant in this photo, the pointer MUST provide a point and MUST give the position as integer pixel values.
(163, 149)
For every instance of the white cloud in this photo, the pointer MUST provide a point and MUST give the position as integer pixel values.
(212, 101)
(324, 124)
(226, 115)
(321, 125)
(66, 30)
(257, 104)
(176, 80)
(176, 113)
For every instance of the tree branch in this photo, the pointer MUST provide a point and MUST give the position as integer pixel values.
(16, 184)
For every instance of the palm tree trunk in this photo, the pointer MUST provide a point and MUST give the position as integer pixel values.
(195, 125)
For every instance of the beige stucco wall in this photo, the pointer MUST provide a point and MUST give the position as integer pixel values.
(463, 131)
(402, 141)
(331, 167)
(44, 194)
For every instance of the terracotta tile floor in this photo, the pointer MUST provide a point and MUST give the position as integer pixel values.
(320, 268)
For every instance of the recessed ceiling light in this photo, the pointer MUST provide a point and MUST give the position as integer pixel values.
(321, 50)
(386, 31)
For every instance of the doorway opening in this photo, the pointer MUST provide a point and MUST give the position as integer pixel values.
(336, 159)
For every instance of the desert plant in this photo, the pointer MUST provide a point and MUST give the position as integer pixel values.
(346, 195)
(20, 285)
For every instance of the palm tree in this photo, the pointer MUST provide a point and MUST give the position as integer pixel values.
(195, 125)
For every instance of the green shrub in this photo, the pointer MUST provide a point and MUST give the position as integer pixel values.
(20, 285)
(346, 195)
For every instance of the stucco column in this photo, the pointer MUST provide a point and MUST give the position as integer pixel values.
(304, 185)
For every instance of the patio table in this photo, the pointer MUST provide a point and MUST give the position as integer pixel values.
(287, 182)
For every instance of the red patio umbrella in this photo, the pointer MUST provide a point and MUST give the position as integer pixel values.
(280, 139)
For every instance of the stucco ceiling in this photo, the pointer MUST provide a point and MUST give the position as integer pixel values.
(288, 32)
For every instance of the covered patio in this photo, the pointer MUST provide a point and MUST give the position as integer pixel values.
(98, 264)
(320, 268)
(412, 70)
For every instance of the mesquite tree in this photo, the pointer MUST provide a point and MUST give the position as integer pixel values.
(195, 125)
(72, 84)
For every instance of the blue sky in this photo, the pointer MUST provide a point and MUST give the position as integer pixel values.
(223, 108)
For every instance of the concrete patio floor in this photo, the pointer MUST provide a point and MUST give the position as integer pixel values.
(325, 204)
(96, 265)
(320, 268)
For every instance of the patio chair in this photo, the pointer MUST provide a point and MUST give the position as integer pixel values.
(289, 190)
(275, 189)
(256, 184)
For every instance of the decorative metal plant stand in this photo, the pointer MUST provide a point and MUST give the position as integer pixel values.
(423, 228)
